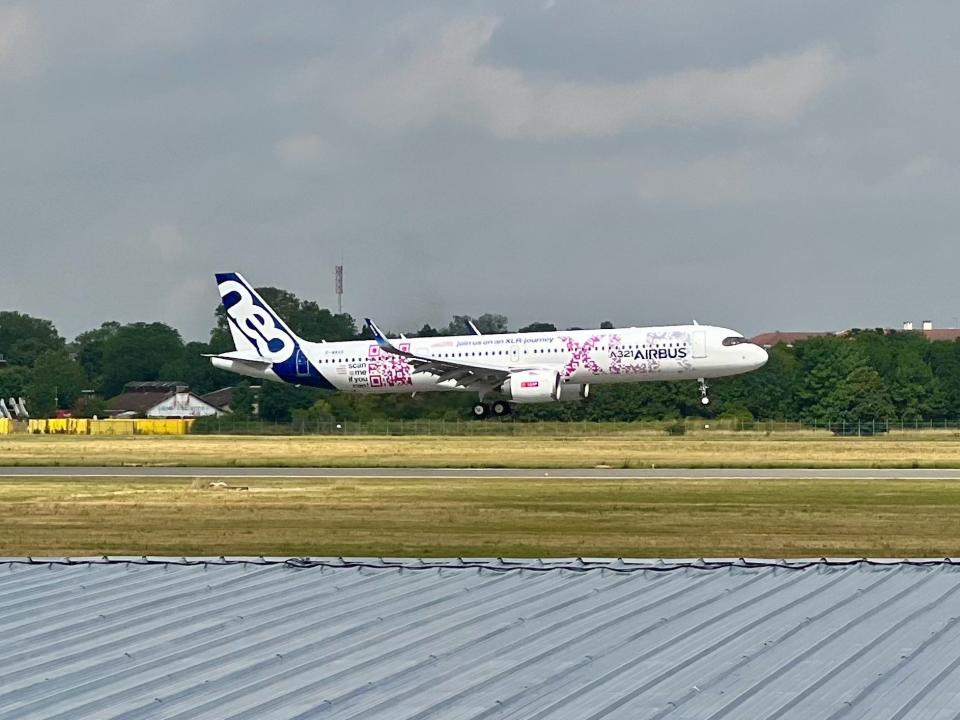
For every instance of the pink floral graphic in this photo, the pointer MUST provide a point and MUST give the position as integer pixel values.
(580, 354)
(616, 362)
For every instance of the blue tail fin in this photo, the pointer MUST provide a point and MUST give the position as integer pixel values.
(260, 334)
(255, 327)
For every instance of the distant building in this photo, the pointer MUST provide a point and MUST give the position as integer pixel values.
(160, 400)
(769, 339)
(931, 333)
(948, 334)
(223, 398)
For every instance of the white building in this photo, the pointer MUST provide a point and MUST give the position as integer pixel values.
(159, 400)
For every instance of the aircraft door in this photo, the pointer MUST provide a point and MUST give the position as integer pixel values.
(303, 365)
(514, 353)
(699, 344)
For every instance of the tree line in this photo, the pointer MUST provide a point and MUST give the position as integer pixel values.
(864, 374)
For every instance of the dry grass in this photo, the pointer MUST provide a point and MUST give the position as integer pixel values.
(420, 451)
(490, 517)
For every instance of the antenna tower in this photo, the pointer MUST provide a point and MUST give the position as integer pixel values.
(338, 286)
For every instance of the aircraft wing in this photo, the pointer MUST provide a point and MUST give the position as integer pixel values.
(466, 375)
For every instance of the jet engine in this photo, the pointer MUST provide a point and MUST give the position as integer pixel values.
(532, 386)
(575, 391)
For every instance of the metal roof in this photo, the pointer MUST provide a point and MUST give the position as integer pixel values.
(479, 639)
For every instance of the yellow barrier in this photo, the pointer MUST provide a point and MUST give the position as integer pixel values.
(82, 426)
(165, 426)
(5, 426)
(61, 426)
(112, 427)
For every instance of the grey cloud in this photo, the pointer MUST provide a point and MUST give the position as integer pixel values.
(447, 80)
(757, 165)
(20, 51)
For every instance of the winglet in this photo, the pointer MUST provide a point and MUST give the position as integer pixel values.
(378, 335)
(471, 328)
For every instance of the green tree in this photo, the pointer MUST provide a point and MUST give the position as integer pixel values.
(862, 395)
(89, 407)
(492, 324)
(192, 367)
(538, 327)
(137, 352)
(41, 399)
(913, 388)
(57, 382)
(944, 361)
(279, 400)
(426, 331)
(24, 338)
(458, 325)
(822, 364)
(767, 393)
(487, 324)
(320, 411)
(89, 350)
(243, 399)
(14, 382)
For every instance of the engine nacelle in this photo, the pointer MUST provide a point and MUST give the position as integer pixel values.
(532, 386)
(574, 391)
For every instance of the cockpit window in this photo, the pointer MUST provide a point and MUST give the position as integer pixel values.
(734, 341)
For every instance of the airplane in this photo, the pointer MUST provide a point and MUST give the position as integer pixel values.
(503, 369)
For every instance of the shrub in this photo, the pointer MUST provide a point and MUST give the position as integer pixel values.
(678, 427)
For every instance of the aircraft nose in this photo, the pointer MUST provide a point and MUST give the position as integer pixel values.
(759, 356)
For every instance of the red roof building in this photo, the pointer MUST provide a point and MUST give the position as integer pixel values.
(770, 339)
(947, 334)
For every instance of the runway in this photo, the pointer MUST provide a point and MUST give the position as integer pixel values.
(386, 473)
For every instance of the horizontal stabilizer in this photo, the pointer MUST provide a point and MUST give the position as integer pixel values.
(243, 356)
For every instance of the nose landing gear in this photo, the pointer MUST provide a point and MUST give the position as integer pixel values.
(704, 400)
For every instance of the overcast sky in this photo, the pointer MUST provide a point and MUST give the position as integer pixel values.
(757, 165)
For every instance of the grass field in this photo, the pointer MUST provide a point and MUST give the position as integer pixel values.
(511, 518)
(641, 451)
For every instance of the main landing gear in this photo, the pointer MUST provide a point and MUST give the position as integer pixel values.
(703, 391)
(498, 408)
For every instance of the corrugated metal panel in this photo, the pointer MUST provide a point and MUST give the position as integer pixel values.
(487, 639)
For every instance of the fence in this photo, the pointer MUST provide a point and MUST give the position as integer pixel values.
(574, 428)
(474, 428)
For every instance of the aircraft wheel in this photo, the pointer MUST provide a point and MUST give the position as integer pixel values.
(480, 411)
(500, 408)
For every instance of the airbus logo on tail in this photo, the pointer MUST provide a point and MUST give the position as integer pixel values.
(255, 322)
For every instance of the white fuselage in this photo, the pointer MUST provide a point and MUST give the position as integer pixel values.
(676, 352)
